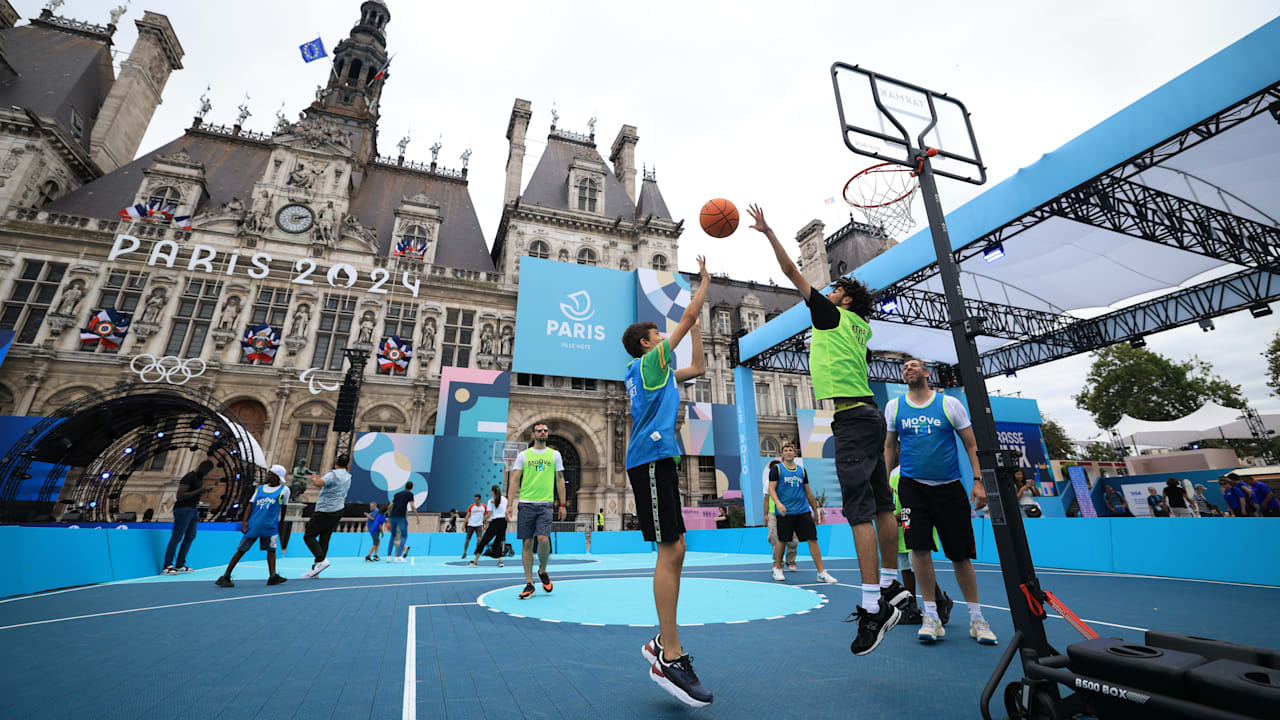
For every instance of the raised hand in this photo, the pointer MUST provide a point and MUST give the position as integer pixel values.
(758, 216)
(702, 268)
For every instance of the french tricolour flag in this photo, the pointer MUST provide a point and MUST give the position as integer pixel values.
(183, 221)
(136, 212)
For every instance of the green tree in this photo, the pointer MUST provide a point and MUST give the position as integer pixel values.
(1102, 452)
(1149, 386)
(1272, 354)
(1056, 441)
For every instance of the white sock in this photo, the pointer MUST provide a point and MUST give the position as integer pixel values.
(975, 611)
(931, 609)
(871, 598)
(887, 577)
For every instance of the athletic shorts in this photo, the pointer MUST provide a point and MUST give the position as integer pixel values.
(269, 542)
(533, 519)
(474, 530)
(377, 537)
(942, 507)
(859, 434)
(656, 486)
(798, 526)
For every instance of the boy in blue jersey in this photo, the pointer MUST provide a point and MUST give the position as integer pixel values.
(794, 505)
(262, 523)
(652, 454)
(377, 521)
(926, 424)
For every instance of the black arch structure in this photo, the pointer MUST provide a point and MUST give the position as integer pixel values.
(101, 439)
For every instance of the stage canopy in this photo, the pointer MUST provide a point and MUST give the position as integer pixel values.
(1211, 422)
(1162, 215)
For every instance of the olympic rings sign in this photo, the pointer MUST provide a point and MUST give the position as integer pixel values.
(170, 368)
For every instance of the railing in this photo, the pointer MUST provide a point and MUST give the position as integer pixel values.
(433, 168)
(65, 220)
(573, 136)
(234, 131)
(77, 25)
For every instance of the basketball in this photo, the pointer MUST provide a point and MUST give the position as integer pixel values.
(719, 218)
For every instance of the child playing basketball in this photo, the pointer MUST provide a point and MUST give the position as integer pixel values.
(262, 523)
(377, 522)
(652, 453)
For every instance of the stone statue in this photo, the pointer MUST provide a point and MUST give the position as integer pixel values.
(244, 112)
(319, 93)
(301, 319)
(298, 177)
(466, 158)
(435, 151)
(155, 304)
(282, 122)
(555, 116)
(325, 224)
(53, 5)
(429, 335)
(591, 125)
(366, 331)
(117, 12)
(230, 312)
(504, 344)
(205, 105)
(486, 340)
(316, 173)
(298, 485)
(233, 206)
(70, 299)
(404, 143)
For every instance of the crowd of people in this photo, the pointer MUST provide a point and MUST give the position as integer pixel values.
(1243, 497)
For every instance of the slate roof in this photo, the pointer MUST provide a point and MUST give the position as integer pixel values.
(549, 184)
(461, 242)
(57, 71)
(651, 202)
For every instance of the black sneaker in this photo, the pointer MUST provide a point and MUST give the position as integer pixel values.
(546, 581)
(895, 595)
(652, 650)
(911, 614)
(527, 592)
(224, 581)
(677, 677)
(873, 628)
(277, 580)
(472, 564)
(945, 603)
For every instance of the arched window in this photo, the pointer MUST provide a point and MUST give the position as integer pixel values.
(624, 264)
(587, 192)
(539, 249)
(337, 67)
(353, 76)
(659, 262)
(47, 193)
(842, 268)
(417, 237)
(768, 448)
(586, 256)
(165, 197)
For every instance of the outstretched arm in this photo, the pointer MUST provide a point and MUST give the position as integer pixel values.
(784, 261)
(699, 366)
(690, 315)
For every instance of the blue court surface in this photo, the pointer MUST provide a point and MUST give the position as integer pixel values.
(429, 639)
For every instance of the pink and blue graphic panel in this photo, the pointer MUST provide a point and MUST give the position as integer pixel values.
(383, 463)
(473, 403)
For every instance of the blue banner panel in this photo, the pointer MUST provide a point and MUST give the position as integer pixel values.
(6, 341)
(748, 443)
(570, 319)
(12, 430)
(461, 467)
(473, 403)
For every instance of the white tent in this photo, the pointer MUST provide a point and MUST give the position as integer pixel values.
(1211, 422)
(246, 443)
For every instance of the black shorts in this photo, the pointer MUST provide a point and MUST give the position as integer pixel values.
(657, 489)
(474, 530)
(941, 507)
(798, 526)
(859, 434)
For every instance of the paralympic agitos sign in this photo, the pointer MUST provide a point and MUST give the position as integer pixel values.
(208, 259)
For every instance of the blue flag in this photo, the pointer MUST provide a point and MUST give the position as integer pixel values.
(313, 50)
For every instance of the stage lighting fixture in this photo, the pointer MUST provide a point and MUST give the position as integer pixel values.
(93, 504)
(160, 434)
(1206, 324)
(1137, 342)
(1195, 446)
(233, 452)
(128, 451)
(994, 252)
(1260, 310)
(237, 476)
(196, 423)
(888, 303)
(217, 433)
(105, 476)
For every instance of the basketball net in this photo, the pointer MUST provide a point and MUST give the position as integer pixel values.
(883, 194)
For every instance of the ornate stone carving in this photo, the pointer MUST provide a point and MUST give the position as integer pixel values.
(70, 301)
(365, 336)
(148, 323)
(315, 131)
(11, 163)
(506, 341)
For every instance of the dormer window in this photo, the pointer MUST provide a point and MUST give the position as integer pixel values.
(47, 193)
(587, 192)
(539, 249)
(77, 126)
(165, 197)
(659, 262)
(586, 256)
(417, 237)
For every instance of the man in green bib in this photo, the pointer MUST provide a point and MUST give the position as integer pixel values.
(537, 470)
(838, 368)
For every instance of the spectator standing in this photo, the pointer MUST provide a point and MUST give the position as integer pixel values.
(1157, 503)
(1115, 502)
(475, 522)
(1234, 497)
(398, 523)
(1176, 499)
(186, 516)
(1265, 499)
(771, 521)
(1201, 503)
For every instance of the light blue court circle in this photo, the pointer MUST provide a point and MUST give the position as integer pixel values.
(629, 601)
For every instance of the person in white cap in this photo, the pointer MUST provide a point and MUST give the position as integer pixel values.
(262, 523)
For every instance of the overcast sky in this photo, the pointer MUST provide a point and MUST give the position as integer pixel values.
(731, 99)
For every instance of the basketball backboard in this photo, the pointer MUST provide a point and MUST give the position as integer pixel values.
(504, 452)
(891, 120)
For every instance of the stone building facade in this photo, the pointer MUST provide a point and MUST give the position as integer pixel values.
(302, 228)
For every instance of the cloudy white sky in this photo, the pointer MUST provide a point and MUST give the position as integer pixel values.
(731, 99)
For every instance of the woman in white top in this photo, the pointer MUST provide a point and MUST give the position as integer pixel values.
(1027, 492)
(496, 513)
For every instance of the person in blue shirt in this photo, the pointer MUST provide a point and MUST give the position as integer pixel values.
(262, 523)
(1237, 501)
(377, 520)
(652, 453)
(1265, 499)
(796, 511)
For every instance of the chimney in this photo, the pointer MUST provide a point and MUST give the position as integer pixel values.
(623, 157)
(517, 126)
(132, 102)
(813, 254)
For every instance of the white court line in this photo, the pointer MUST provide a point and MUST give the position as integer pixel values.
(1086, 620)
(410, 711)
(126, 581)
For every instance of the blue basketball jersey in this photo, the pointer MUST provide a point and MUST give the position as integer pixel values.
(264, 521)
(927, 439)
(791, 488)
(655, 405)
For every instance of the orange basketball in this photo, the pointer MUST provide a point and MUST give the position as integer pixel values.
(719, 218)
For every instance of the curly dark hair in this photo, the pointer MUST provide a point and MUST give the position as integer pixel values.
(634, 334)
(860, 296)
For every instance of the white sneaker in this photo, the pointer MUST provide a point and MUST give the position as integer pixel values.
(931, 630)
(499, 562)
(981, 631)
(826, 577)
(777, 574)
(316, 569)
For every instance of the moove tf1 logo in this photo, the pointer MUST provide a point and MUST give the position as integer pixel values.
(576, 312)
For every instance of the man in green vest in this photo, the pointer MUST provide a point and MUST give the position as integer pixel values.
(600, 520)
(838, 368)
(536, 471)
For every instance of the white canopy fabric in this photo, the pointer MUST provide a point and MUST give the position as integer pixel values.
(246, 443)
(1213, 421)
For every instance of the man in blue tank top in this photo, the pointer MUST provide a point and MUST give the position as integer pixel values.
(925, 424)
(652, 453)
(794, 506)
(262, 523)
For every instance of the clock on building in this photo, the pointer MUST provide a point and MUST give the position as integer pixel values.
(295, 218)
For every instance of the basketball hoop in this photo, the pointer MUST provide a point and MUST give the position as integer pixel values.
(883, 193)
(505, 452)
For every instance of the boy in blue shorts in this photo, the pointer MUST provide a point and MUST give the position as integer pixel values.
(377, 520)
(262, 523)
(652, 453)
